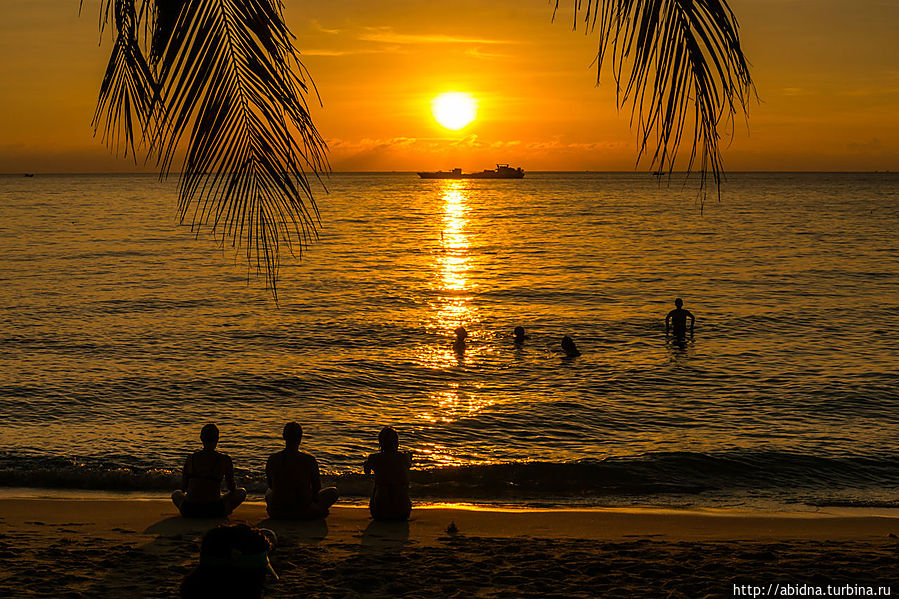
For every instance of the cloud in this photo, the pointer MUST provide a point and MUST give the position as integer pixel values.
(864, 92)
(325, 52)
(472, 153)
(871, 146)
(319, 27)
(476, 53)
(387, 35)
(389, 41)
(469, 142)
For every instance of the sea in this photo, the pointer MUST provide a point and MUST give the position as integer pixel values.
(123, 332)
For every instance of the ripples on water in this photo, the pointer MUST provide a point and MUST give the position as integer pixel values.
(122, 334)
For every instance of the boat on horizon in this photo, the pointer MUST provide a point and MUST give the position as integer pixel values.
(502, 171)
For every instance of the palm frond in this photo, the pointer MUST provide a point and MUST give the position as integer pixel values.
(164, 17)
(225, 69)
(227, 72)
(687, 69)
(127, 103)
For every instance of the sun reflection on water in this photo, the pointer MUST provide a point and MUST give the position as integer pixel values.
(452, 263)
(454, 259)
(455, 403)
(452, 308)
(438, 454)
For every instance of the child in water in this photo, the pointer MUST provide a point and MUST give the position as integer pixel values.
(390, 495)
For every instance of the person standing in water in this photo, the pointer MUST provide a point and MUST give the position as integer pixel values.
(459, 343)
(294, 482)
(677, 319)
(390, 494)
(201, 481)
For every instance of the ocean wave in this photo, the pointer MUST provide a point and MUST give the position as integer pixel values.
(682, 473)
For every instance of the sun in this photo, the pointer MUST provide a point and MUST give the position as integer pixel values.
(454, 110)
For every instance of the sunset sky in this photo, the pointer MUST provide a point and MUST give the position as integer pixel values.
(826, 71)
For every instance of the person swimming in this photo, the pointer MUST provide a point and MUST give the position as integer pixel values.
(677, 319)
(294, 482)
(390, 493)
(568, 346)
(459, 343)
(201, 481)
(518, 335)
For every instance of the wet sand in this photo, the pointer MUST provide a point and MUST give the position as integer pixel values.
(139, 548)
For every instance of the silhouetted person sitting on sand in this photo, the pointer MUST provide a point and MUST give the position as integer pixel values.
(459, 343)
(390, 495)
(233, 564)
(570, 349)
(677, 319)
(518, 335)
(294, 482)
(201, 481)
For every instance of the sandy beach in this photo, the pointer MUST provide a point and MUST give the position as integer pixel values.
(139, 548)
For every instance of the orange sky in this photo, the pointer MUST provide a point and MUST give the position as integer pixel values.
(827, 73)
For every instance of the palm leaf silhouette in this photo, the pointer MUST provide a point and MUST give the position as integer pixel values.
(687, 70)
(128, 89)
(227, 71)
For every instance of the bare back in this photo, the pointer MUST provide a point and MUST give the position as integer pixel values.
(293, 477)
(678, 319)
(390, 495)
(390, 468)
(203, 475)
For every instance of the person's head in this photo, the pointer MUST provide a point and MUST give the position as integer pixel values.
(678, 302)
(209, 436)
(569, 346)
(388, 439)
(461, 333)
(518, 333)
(293, 433)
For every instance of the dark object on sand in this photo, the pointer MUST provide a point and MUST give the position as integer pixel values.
(452, 529)
(233, 564)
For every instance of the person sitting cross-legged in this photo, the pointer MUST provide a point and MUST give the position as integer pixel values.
(204, 471)
(294, 482)
(390, 494)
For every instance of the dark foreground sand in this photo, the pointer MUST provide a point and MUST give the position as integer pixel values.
(130, 549)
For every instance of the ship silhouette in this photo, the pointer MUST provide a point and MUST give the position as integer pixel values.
(502, 171)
